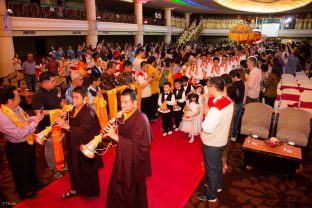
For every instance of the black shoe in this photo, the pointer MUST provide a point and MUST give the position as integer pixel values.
(41, 184)
(154, 119)
(202, 197)
(29, 195)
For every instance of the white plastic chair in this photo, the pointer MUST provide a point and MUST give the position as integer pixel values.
(300, 73)
(289, 97)
(304, 81)
(306, 101)
(289, 84)
(302, 77)
(287, 76)
(278, 99)
(305, 87)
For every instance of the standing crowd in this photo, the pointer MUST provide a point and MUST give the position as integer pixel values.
(197, 88)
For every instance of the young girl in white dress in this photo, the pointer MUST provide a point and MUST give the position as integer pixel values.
(201, 99)
(191, 121)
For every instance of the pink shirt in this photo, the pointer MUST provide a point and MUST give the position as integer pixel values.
(11, 132)
(253, 83)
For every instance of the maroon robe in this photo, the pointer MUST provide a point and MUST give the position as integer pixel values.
(83, 171)
(127, 187)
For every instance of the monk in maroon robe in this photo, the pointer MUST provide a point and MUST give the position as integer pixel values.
(127, 187)
(83, 126)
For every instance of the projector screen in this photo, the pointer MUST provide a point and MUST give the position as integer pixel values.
(270, 30)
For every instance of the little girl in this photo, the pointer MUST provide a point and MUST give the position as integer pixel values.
(201, 98)
(191, 121)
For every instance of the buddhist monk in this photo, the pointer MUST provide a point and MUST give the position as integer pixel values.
(127, 187)
(83, 126)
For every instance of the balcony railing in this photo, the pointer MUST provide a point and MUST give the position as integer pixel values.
(58, 12)
(45, 11)
(115, 17)
(153, 21)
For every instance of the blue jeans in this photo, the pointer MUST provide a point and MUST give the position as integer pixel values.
(31, 82)
(214, 167)
(237, 115)
(49, 152)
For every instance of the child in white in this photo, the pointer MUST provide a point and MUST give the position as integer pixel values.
(191, 121)
(201, 98)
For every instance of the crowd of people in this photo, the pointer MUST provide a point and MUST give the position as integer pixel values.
(197, 88)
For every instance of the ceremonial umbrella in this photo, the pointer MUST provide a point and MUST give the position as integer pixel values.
(241, 33)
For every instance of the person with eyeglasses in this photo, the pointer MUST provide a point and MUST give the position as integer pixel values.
(18, 128)
(77, 80)
(214, 135)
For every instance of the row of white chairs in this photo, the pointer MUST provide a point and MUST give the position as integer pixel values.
(294, 91)
(289, 97)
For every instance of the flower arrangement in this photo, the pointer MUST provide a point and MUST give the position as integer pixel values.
(273, 142)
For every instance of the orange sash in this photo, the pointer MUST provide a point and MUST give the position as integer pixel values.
(215, 69)
(224, 65)
(205, 64)
(112, 102)
(193, 80)
(137, 87)
(196, 69)
(9, 113)
(100, 110)
(57, 141)
(170, 79)
(139, 91)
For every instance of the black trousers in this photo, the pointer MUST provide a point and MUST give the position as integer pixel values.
(167, 122)
(146, 107)
(154, 100)
(270, 101)
(260, 96)
(251, 100)
(177, 115)
(22, 161)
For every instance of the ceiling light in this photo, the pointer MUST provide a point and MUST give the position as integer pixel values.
(288, 20)
(263, 6)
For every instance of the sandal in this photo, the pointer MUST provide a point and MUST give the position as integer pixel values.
(68, 194)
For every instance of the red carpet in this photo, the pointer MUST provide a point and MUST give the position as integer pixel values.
(177, 169)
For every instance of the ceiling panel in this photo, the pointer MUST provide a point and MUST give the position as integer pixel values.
(196, 6)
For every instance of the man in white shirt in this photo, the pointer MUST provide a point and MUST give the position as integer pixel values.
(205, 65)
(216, 69)
(225, 65)
(89, 59)
(95, 82)
(194, 72)
(137, 60)
(214, 136)
(145, 81)
(238, 58)
(253, 81)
